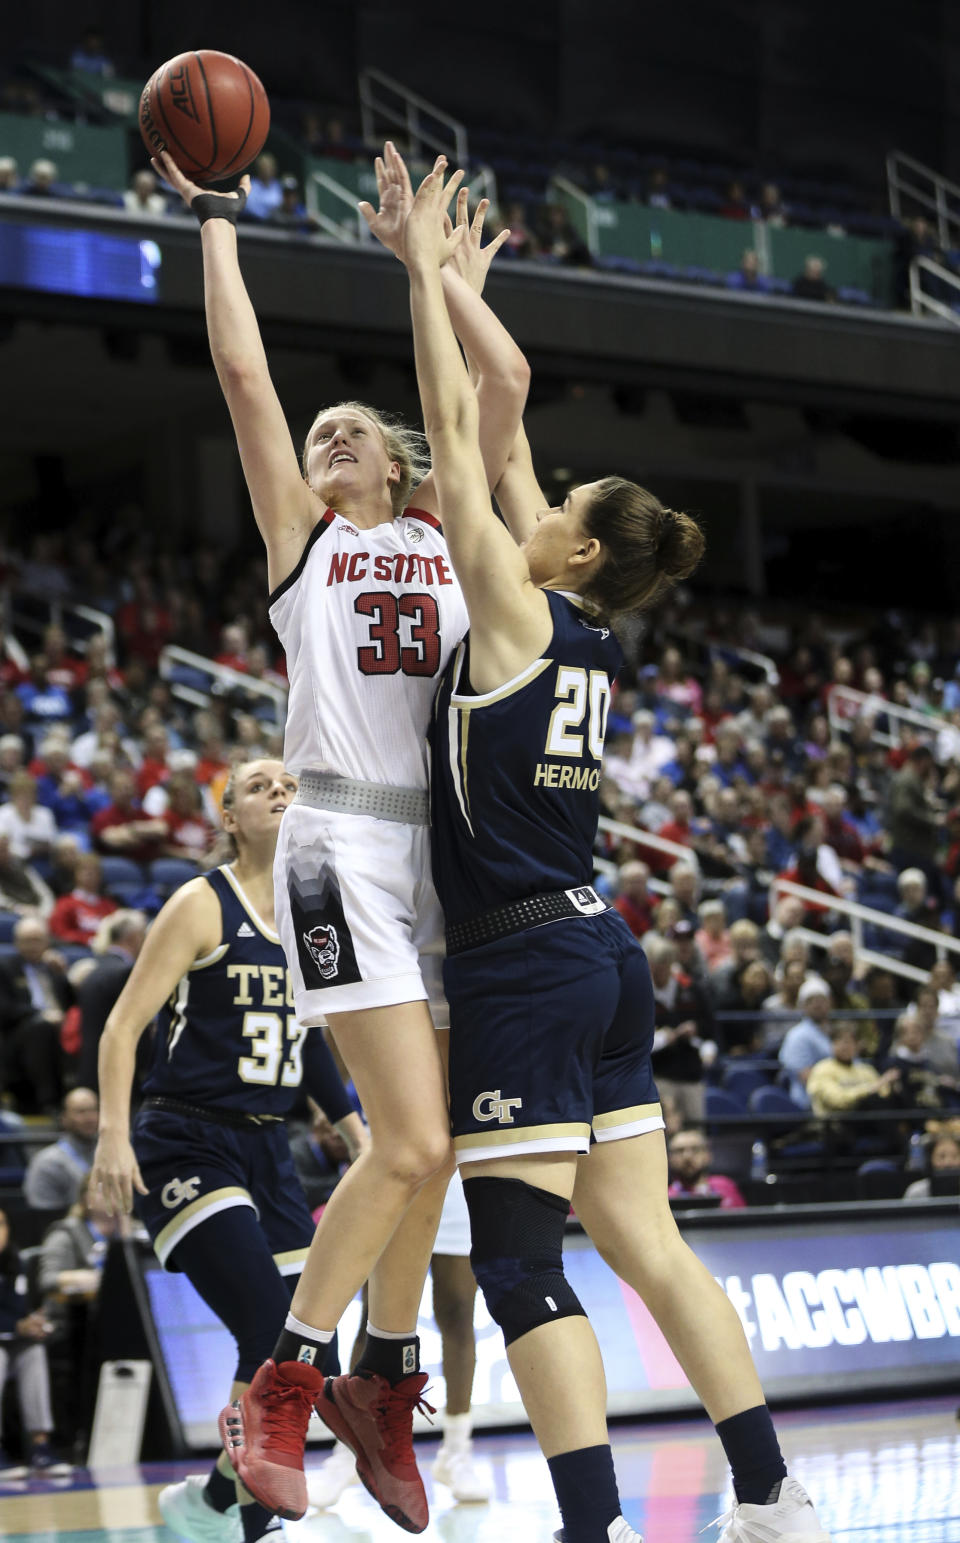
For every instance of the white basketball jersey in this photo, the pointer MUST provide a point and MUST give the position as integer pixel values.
(368, 619)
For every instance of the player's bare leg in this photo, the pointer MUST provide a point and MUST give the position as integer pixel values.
(621, 1199)
(454, 1294)
(393, 1058)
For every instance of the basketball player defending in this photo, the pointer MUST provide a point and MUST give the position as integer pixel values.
(366, 604)
(550, 996)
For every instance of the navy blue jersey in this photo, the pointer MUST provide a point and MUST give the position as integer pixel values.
(515, 772)
(228, 1037)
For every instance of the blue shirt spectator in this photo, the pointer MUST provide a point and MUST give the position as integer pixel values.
(266, 191)
(808, 1041)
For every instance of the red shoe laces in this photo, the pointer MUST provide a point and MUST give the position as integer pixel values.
(395, 1413)
(285, 1410)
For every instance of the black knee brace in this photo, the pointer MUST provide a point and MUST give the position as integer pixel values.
(517, 1254)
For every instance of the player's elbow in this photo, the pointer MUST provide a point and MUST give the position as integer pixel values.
(454, 419)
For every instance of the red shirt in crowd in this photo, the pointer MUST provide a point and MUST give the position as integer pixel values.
(76, 917)
(144, 851)
(637, 917)
(193, 832)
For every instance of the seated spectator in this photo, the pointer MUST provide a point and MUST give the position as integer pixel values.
(744, 1032)
(925, 1084)
(649, 753)
(771, 207)
(808, 1041)
(689, 957)
(748, 276)
(123, 828)
(682, 1044)
(674, 683)
(712, 937)
(76, 916)
(23, 1330)
(736, 205)
(9, 175)
(62, 866)
(943, 1156)
(815, 866)
(43, 180)
(12, 757)
(319, 1156)
(811, 284)
(520, 242)
(143, 196)
(22, 890)
(685, 888)
(291, 212)
(634, 900)
(117, 945)
(665, 917)
(30, 826)
(73, 1252)
(915, 906)
(658, 188)
(940, 1048)
(690, 1174)
(784, 1003)
(943, 978)
(34, 996)
(266, 194)
(838, 972)
(744, 949)
(559, 241)
(190, 834)
(90, 57)
(840, 1082)
(913, 816)
(786, 915)
(56, 1174)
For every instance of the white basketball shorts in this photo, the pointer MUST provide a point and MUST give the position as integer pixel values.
(357, 913)
(453, 1233)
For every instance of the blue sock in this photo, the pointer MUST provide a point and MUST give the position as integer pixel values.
(258, 1522)
(754, 1455)
(586, 1489)
(220, 1492)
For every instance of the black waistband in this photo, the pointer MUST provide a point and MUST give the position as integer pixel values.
(235, 1118)
(519, 915)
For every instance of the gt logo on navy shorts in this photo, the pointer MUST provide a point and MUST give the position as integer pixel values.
(490, 1106)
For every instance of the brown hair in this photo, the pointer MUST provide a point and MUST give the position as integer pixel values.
(646, 547)
(406, 446)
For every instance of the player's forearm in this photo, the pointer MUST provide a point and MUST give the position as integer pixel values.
(115, 1066)
(489, 348)
(232, 328)
(447, 399)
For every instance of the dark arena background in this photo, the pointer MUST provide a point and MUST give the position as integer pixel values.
(734, 268)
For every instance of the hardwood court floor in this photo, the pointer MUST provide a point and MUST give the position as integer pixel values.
(880, 1473)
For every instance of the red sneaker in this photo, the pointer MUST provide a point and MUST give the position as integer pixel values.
(263, 1434)
(375, 1421)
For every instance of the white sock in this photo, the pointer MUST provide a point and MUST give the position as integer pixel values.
(388, 1333)
(457, 1429)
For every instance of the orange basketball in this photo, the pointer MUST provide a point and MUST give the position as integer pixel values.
(208, 110)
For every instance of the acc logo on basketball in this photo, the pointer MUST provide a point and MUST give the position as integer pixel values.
(324, 949)
(178, 1190)
(181, 95)
(490, 1106)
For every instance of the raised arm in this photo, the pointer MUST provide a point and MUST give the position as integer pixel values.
(188, 928)
(509, 618)
(285, 509)
(500, 371)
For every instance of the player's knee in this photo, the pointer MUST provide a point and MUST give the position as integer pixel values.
(419, 1156)
(517, 1254)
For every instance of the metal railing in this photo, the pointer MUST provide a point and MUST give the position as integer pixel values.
(389, 107)
(222, 677)
(36, 611)
(762, 663)
(861, 914)
(648, 839)
(935, 195)
(588, 209)
(868, 956)
(922, 301)
(868, 705)
(354, 228)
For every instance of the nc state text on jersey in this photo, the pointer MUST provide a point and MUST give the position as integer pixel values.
(396, 568)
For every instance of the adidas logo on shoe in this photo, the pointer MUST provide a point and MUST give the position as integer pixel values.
(245, 931)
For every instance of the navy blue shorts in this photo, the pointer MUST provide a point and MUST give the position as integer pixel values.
(194, 1169)
(550, 1037)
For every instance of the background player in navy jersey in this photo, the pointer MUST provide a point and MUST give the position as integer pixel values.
(208, 1166)
(552, 1095)
(367, 607)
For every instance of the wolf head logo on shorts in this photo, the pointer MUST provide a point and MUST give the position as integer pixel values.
(324, 947)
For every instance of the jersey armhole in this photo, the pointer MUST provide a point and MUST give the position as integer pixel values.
(323, 524)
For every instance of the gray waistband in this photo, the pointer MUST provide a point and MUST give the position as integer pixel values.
(323, 790)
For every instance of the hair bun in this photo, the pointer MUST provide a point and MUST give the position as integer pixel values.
(680, 544)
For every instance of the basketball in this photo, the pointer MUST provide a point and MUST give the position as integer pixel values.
(209, 110)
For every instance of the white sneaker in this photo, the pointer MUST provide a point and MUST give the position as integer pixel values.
(455, 1467)
(791, 1516)
(619, 1531)
(327, 1483)
(184, 1510)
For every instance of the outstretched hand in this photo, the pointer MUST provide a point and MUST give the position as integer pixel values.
(395, 194)
(470, 259)
(166, 167)
(426, 243)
